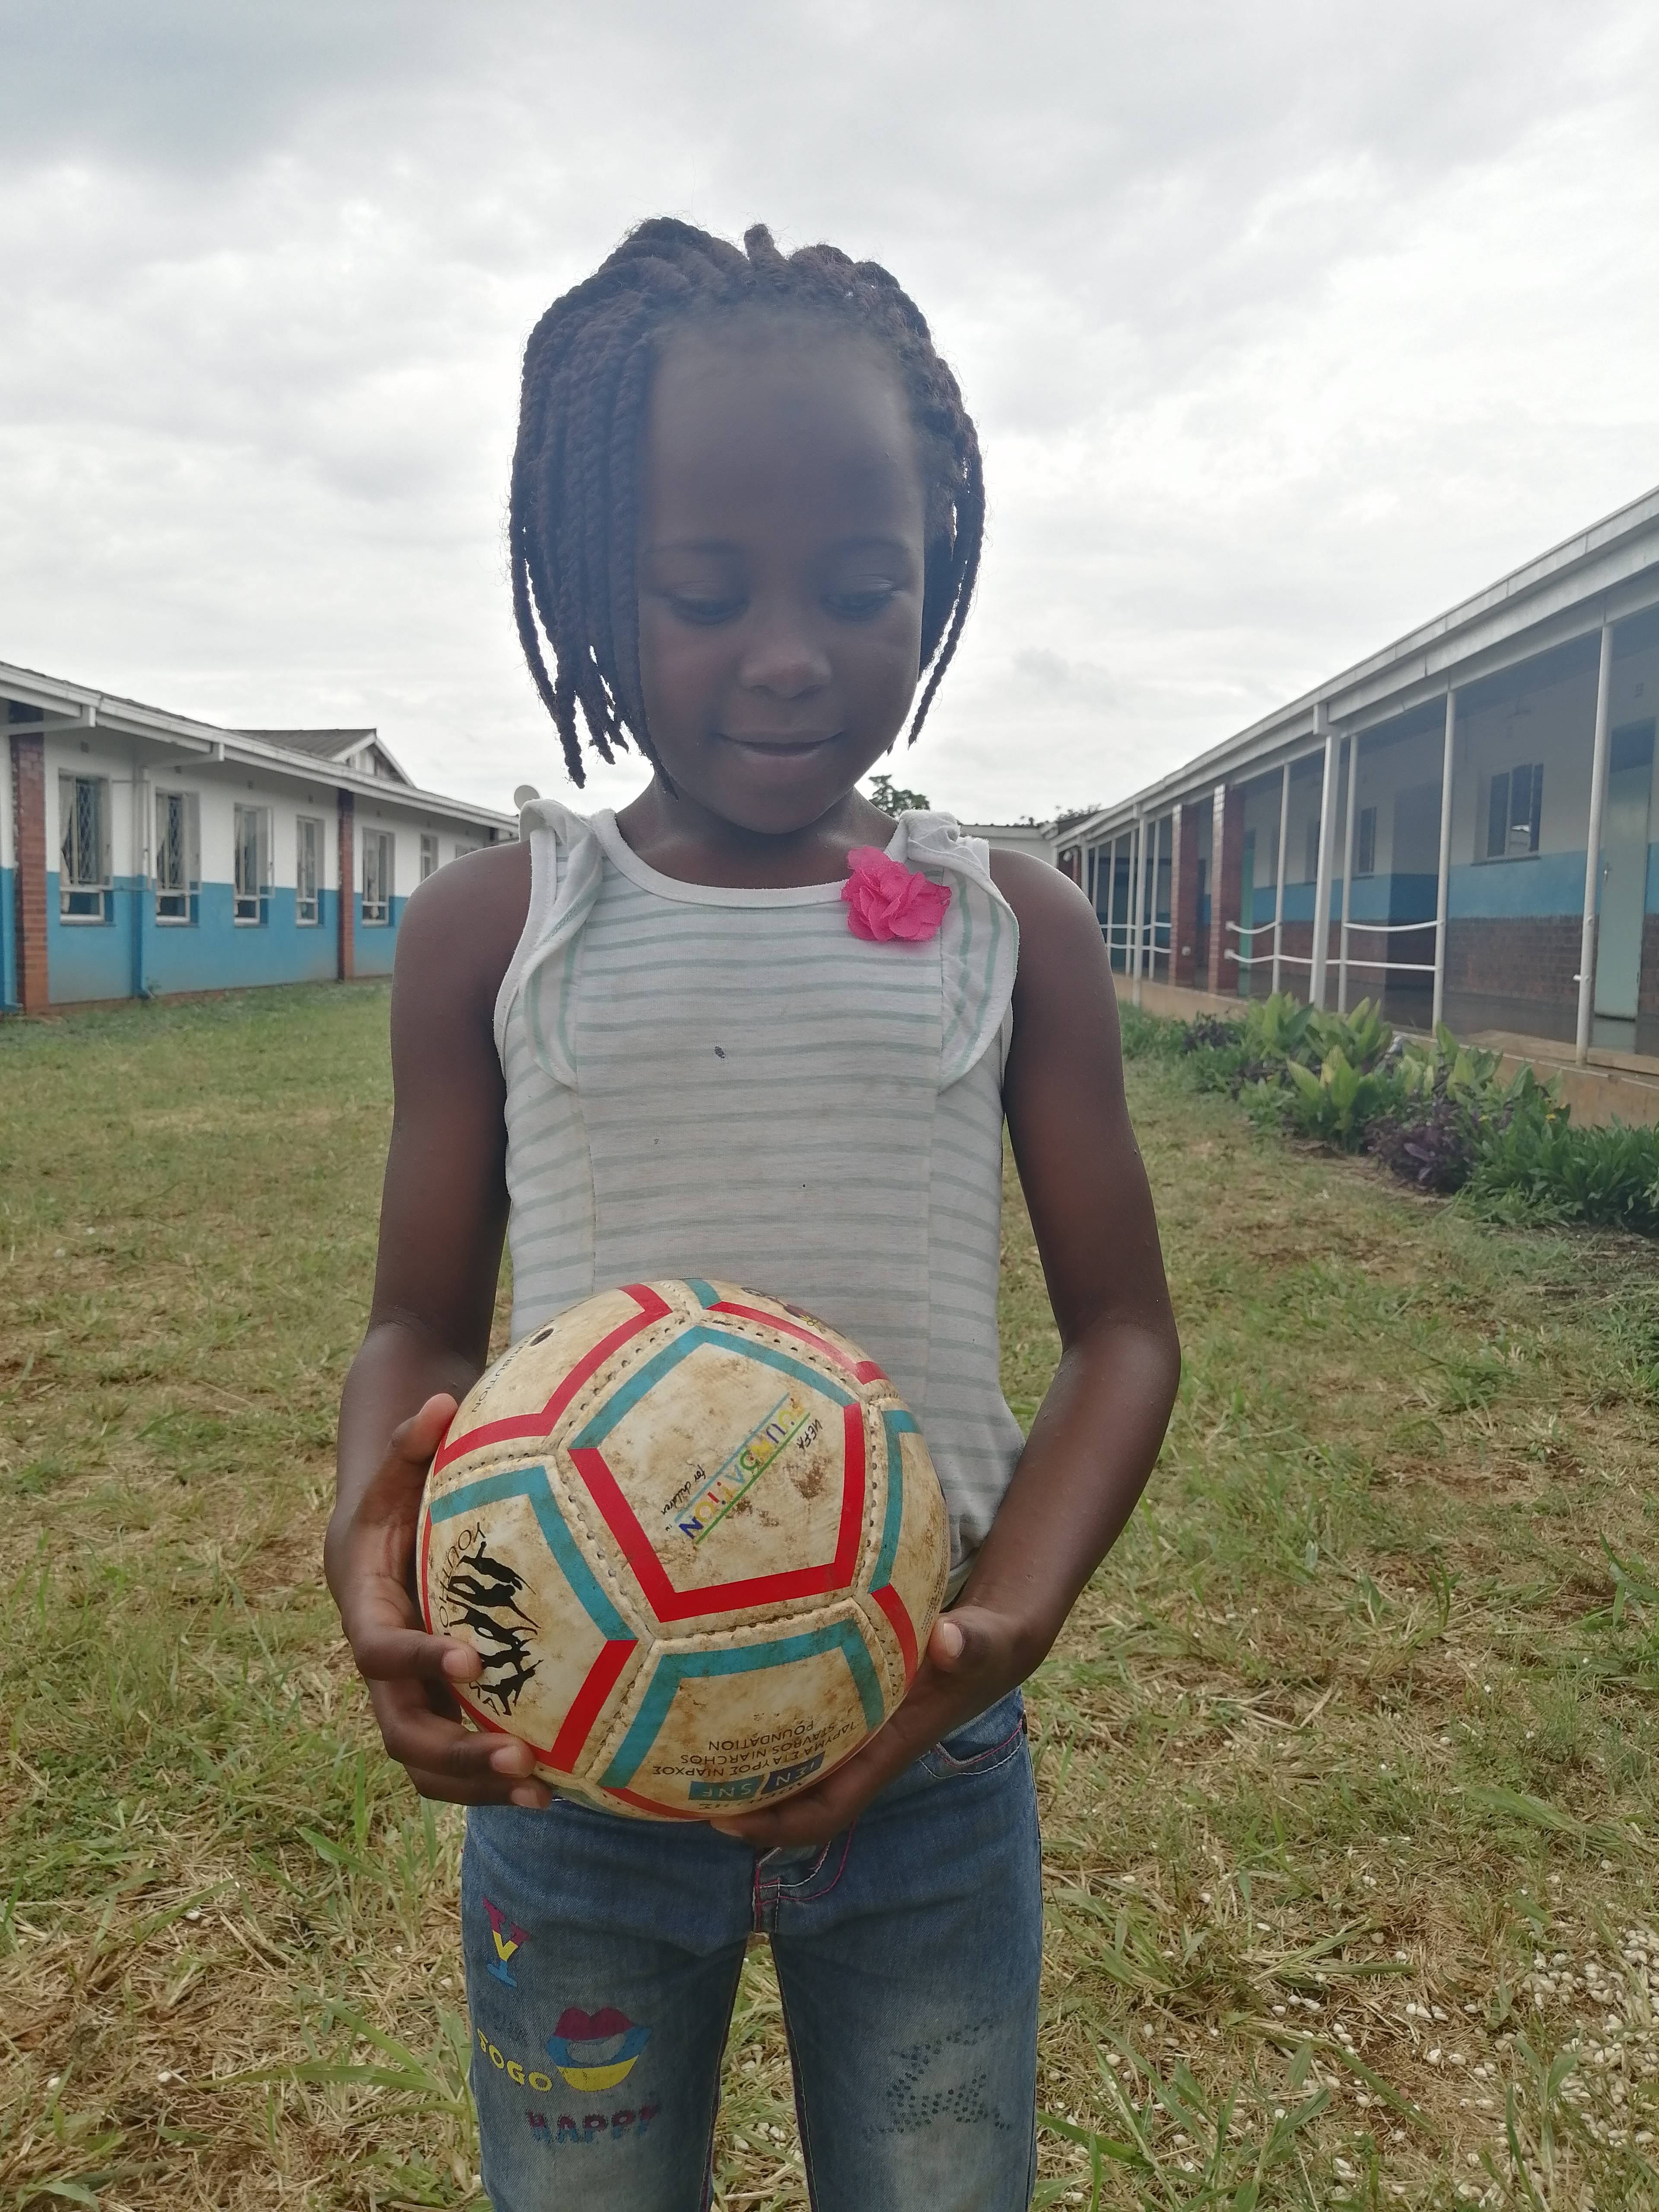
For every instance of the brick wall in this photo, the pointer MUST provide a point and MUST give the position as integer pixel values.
(1517, 956)
(28, 791)
(1183, 895)
(1226, 873)
(1647, 1000)
(347, 963)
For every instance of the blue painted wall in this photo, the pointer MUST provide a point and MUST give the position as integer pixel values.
(8, 938)
(213, 953)
(1542, 884)
(377, 941)
(1502, 890)
(100, 960)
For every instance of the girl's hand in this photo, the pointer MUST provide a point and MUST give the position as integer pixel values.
(974, 1657)
(370, 1557)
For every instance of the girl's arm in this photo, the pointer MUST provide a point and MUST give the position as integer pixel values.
(1098, 1432)
(443, 1212)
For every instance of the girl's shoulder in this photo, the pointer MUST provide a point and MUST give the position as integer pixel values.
(461, 928)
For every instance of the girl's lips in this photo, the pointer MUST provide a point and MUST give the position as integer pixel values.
(779, 748)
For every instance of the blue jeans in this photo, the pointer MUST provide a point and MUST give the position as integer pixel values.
(603, 1957)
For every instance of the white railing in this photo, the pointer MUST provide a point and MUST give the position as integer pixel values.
(1155, 939)
(1387, 929)
(1348, 959)
(1262, 959)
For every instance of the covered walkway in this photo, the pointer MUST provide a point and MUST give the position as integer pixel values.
(1418, 828)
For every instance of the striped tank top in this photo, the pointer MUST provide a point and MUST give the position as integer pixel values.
(703, 1081)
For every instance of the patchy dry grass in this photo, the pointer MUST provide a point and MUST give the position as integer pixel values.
(1346, 1758)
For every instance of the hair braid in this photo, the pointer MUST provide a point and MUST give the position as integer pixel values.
(575, 502)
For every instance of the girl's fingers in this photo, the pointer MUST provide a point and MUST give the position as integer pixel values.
(386, 1654)
(531, 1796)
(417, 1736)
(414, 1441)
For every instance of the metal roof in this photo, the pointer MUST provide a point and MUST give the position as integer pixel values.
(50, 703)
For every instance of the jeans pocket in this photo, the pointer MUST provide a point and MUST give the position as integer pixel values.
(990, 1739)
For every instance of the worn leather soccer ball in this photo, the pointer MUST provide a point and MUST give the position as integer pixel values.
(695, 1537)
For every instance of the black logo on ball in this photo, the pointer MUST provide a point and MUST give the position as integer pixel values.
(478, 1597)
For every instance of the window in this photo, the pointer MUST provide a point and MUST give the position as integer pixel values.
(1365, 859)
(253, 835)
(307, 870)
(178, 856)
(429, 853)
(1514, 811)
(1310, 868)
(378, 850)
(83, 868)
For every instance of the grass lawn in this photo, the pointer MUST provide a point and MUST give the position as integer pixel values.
(1345, 1759)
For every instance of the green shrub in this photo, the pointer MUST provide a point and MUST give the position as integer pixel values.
(1438, 1113)
(1338, 1106)
(1146, 1037)
(1537, 1167)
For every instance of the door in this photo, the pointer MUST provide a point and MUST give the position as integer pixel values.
(1623, 871)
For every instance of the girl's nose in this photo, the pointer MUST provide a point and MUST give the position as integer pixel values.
(782, 657)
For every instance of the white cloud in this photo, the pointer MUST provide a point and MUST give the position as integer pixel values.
(1284, 326)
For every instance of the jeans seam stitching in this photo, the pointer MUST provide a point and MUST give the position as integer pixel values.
(812, 1897)
(981, 1762)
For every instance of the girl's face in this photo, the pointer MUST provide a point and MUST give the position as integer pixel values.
(781, 543)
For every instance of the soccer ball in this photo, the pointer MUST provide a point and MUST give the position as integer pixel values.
(697, 1540)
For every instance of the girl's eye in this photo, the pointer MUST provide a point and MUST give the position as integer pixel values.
(861, 605)
(705, 613)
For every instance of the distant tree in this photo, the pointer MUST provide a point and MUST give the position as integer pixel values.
(893, 798)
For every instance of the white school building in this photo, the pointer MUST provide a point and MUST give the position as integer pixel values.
(143, 852)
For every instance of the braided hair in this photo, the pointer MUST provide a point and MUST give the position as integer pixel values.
(574, 514)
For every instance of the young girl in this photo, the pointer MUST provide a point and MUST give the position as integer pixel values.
(746, 518)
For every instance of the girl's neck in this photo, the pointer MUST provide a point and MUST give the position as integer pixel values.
(681, 839)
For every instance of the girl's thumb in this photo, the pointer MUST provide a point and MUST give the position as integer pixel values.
(948, 1642)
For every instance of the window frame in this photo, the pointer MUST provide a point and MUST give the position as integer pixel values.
(1502, 800)
(429, 862)
(302, 899)
(376, 912)
(93, 894)
(250, 906)
(178, 904)
(1364, 843)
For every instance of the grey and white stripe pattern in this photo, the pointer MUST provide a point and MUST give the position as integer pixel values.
(703, 1081)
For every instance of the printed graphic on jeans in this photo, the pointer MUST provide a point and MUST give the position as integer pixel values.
(592, 2127)
(596, 2051)
(581, 2126)
(509, 1940)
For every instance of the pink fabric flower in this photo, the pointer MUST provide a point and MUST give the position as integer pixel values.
(886, 900)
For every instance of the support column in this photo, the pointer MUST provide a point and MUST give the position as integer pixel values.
(1226, 872)
(1327, 855)
(1593, 845)
(1183, 893)
(28, 796)
(1347, 883)
(1138, 869)
(1279, 877)
(1443, 886)
(141, 802)
(346, 959)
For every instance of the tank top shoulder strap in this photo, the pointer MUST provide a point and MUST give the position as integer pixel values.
(979, 941)
(567, 865)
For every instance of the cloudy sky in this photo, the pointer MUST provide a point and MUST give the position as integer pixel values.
(1285, 323)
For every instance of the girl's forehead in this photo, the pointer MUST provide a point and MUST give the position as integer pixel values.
(765, 413)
